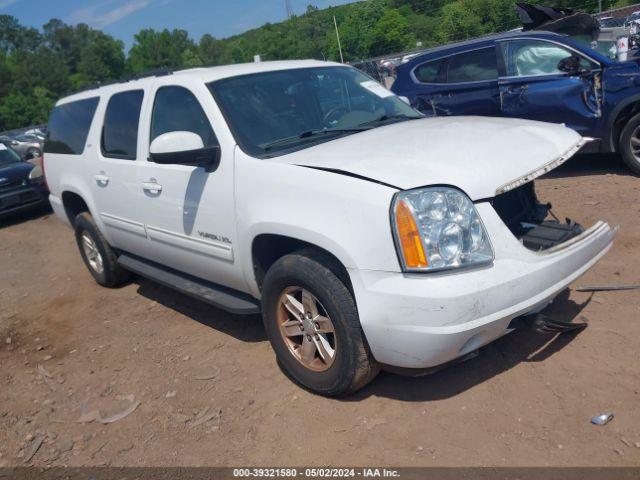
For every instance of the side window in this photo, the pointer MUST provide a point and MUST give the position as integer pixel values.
(69, 126)
(535, 57)
(430, 72)
(120, 131)
(474, 66)
(176, 109)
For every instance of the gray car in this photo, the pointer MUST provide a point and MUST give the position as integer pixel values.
(28, 146)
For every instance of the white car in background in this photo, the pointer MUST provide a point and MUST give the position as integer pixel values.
(366, 235)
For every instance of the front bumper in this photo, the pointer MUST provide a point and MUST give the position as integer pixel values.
(20, 198)
(424, 320)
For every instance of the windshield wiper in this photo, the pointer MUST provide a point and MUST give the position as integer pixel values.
(385, 117)
(313, 133)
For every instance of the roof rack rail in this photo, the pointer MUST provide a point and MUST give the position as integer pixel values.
(158, 72)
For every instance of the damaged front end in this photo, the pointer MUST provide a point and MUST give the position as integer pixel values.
(533, 222)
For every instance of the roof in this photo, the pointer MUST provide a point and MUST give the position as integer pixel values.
(489, 39)
(204, 74)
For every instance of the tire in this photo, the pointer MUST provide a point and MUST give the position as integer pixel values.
(34, 151)
(352, 365)
(626, 150)
(103, 264)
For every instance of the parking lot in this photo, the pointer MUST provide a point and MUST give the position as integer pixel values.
(211, 393)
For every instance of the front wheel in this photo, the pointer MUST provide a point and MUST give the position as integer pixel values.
(630, 144)
(312, 322)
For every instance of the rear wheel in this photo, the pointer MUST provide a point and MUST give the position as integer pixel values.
(630, 144)
(97, 254)
(33, 153)
(312, 322)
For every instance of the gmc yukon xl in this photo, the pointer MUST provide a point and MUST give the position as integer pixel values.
(367, 235)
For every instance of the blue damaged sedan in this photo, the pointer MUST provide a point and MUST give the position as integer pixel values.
(534, 75)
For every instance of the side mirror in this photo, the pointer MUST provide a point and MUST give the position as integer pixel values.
(571, 65)
(184, 148)
(14, 143)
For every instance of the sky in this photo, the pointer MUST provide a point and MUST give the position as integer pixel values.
(124, 18)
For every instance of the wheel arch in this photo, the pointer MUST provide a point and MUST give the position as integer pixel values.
(617, 119)
(73, 204)
(267, 248)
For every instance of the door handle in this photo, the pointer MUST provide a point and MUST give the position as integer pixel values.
(101, 179)
(152, 186)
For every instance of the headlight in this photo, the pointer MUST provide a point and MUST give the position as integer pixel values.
(438, 228)
(35, 175)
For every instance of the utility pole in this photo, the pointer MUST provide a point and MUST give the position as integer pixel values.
(287, 4)
(338, 37)
(599, 6)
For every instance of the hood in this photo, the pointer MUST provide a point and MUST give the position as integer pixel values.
(479, 155)
(559, 20)
(14, 173)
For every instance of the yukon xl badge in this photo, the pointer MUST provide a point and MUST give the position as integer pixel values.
(214, 237)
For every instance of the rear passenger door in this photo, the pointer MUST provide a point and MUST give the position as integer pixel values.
(471, 84)
(465, 83)
(189, 211)
(114, 175)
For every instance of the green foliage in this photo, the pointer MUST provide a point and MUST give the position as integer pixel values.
(37, 67)
(21, 109)
(463, 19)
(165, 49)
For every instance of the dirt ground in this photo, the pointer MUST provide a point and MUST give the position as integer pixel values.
(211, 392)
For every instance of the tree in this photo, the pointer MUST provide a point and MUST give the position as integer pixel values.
(211, 50)
(102, 59)
(153, 49)
(39, 69)
(5, 75)
(23, 109)
(391, 34)
(14, 36)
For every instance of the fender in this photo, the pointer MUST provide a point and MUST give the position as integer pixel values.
(609, 144)
(293, 231)
(74, 184)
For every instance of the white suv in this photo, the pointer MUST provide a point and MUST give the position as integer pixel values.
(366, 235)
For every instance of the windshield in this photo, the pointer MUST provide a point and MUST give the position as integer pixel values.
(8, 155)
(276, 112)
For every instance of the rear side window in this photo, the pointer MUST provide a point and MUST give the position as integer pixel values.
(430, 72)
(69, 126)
(474, 66)
(176, 109)
(120, 131)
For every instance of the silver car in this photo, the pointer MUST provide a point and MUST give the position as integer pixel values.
(28, 146)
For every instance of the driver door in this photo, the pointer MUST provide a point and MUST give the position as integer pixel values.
(533, 87)
(189, 211)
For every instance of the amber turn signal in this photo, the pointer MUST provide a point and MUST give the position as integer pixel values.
(409, 237)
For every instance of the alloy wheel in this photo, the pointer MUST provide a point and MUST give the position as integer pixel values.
(92, 253)
(306, 329)
(635, 143)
